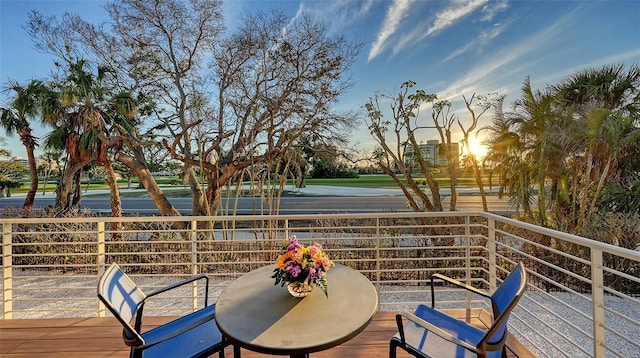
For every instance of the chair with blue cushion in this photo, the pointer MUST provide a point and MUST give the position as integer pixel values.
(193, 335)
(431, 333)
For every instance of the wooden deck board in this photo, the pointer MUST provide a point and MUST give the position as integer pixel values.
(101, 337)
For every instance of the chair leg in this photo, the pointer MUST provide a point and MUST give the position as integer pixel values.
(393, 345)
(135, 353)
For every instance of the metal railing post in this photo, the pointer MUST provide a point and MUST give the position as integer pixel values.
(491, 248)
(597, 289)
(194, 264)
(101, 261)
(7, 271)
(286, 229)
(467, 249)
(467, 254)
(378, 242)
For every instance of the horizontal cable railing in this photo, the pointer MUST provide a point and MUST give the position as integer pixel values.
(581, 300)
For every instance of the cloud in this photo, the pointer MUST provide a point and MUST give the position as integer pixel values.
(450, 15)
(396, 12)
(338, 14)
(445, 18)
(483, 39)
(632, 55)
(490, 11)
(490, 71)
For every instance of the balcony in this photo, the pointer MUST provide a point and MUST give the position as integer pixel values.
(581, 299)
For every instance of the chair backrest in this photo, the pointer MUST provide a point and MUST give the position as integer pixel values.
(122, 297)
(503, 300)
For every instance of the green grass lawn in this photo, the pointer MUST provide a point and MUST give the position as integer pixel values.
(364, 181)
(465, 180)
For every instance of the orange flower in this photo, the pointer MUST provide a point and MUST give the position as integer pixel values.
(284, 259)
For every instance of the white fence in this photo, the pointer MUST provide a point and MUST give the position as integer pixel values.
(582, 297)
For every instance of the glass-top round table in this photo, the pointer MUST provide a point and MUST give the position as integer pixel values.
(255, 314)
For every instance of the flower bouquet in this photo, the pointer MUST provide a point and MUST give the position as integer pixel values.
(301, 267)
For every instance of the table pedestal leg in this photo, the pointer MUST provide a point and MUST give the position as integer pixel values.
(236, 351)
(299, 356)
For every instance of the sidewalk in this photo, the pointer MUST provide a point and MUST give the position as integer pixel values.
(309, 190)
(328, 190)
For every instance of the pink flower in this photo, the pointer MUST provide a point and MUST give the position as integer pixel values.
(315, 249)
(293, 244)
(325, 262)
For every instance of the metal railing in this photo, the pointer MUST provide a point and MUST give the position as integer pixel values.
(582, 296)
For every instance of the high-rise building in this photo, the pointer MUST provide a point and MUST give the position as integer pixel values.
(432, 152)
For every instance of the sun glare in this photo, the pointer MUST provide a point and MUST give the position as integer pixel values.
(477, 148)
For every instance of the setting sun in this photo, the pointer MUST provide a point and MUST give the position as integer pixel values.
(477, 148)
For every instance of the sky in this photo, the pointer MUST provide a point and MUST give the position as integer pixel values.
(449, 48)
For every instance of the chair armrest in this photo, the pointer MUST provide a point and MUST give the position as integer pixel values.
(434, 329)
(456, 283)
(182, 283)
(139, 310)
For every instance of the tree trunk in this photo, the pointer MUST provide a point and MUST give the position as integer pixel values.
(425, 168)
(478, 177)
(596, 195)
(214, 189)
(410, 198)
(453, 176)
(33, 188)
(197, 198)
(46, 180)
(214, 194)
(112, 181)
(65, 186)
(153, 189)
(584, 193)
(116, 204)
(77, 190)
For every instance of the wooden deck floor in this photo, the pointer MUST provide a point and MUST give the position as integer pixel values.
(101, 337)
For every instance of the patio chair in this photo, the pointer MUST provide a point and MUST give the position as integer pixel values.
(431, 333)
(192, 335)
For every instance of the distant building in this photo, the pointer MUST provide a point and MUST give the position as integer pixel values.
(432, 152)
(39, 162)
(21, 160)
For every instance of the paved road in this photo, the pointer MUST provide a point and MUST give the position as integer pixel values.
(307, 201)
(288, 205)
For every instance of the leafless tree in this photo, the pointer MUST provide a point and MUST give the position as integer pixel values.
(391, 154)
(443, 121)
(277, 78)
(483, 104)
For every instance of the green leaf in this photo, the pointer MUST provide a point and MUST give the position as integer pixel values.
(322, 283)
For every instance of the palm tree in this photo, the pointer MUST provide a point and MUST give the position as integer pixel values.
(507, 152)
(574, 138)
(15, 119)
(83, 115)
(533, 114)
(601, 130)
